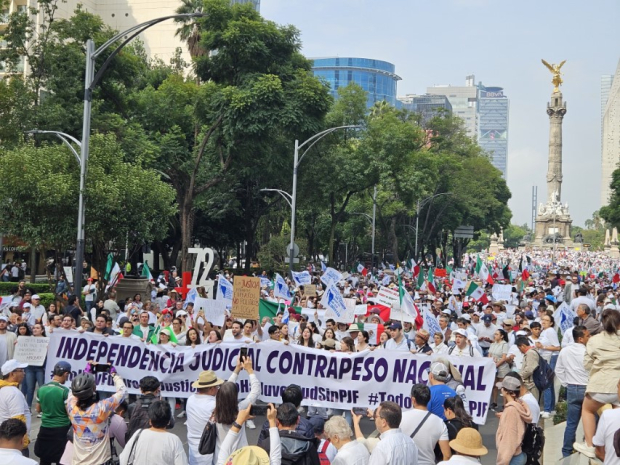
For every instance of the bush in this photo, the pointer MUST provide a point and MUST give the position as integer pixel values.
(561, 412)
(38, 288)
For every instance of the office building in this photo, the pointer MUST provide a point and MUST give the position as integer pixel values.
(159, 41)
(376, 77)
(464, 101)
(493, 109)
(428, 106)
(610, 155)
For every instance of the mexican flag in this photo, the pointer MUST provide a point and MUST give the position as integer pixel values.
(362, 269)
(415, 268)
(474, 291)
(420, 280)
(482, 271)
(408, 306)
(431, 281)
(146, 272)
(108, 267)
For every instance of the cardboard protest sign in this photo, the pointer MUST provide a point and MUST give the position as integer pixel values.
(245, 298)
(310, 290)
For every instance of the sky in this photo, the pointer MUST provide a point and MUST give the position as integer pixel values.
(502, 43)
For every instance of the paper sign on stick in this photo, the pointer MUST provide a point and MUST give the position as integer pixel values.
(245, 298)
(214, 310)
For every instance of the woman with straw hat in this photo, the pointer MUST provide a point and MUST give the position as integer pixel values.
(468, 448)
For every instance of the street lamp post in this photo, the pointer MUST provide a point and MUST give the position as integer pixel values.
(296, 161)
(68, 140)
(417, 216)
(90, 81)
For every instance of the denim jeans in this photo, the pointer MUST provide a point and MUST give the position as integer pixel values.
(34, 376)
(518, 459)
(549, 394)
(574, 398)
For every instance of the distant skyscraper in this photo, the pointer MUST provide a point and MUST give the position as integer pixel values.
(464, 101)
(610, 156)
(376, 77)
(493, 108)
(255, 2)
(428, 106)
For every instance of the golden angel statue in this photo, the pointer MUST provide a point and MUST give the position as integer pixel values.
(557, 75)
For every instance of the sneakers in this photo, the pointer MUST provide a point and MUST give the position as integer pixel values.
(39, 415)
(182, 414)
(493, 406)
(545, 415)
(583, 448)
(250, 424)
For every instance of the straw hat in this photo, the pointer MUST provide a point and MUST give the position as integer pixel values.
(207, 379)
(248, 455)
(469, 442)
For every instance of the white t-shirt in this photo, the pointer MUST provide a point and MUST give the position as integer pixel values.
(608, 424)
(199, 409)
(91, 289)
(518, 357)
(532, 403)
(14, 457)
(154, 448)
(433, 430)
(12, 404)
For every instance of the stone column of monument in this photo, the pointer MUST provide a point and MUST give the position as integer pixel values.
(553, 221)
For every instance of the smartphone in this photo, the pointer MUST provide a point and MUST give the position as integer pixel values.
(243, 353)
(363, 411)
(102, 368)
(258, 410)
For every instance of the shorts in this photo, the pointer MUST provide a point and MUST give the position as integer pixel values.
(604, 398)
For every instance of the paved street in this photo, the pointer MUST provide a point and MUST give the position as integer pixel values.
(488, 434)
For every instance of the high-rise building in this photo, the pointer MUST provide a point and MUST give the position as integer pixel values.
(464, 101)
(493, 108)
(159, 41)
(428, 106)
(376, 77)
(610, 155)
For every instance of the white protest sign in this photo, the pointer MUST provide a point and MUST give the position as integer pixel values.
(331, 276)
(302, 278)
(309, 312)
(31, 350)
(336, 307)
(225, 290)
(293, 329)
(502, 292)
(388, 297)
(373, 333)
(335, 380)
(399, 315)
(68, 273)
(565, 316)
(430, 323)
(510, 310)
(458, 286)
(7, 300)
(214, 310)
(361, 309)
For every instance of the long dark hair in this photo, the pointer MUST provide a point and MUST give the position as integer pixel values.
(226, 404)
(187, 340)
(611, 320)
(301, 338)
(456, 405)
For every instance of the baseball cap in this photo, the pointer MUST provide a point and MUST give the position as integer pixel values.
(460, 332)
(510, 383)
(181, 313)
(3, 318)
(11, 365)
(466, 316)
(465, 304)
(36, 296)
(487, 318)
(396, 325)
(446, 311)
(439, 371)
(27, 305)
(61, 368)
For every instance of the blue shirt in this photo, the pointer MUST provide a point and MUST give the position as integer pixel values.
(439, 393)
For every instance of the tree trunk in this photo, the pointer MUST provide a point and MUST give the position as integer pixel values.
(186, 211)
(394, 239)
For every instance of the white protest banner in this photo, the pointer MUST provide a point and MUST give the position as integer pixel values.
(293, 329)
(281, 288)
(68, 273)
(510, 310)
(458, 286)
(460, 275)
(388, 297)
(336, 307)
(265, 282)
(302, 278)
(331, 276)
(430, 323)
(502, 292)
(214, 310)
(399, 315)
(225, 290)
(565, 317)
(31, 350)
(373, 333)
(361, 309)
(332, 380)
(309, 312)
(7, 300)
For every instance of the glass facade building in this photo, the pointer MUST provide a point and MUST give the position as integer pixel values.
(376, 77)
(256, 3)
(493, 108)
(428, 106)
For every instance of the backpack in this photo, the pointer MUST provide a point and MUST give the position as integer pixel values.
(323, 453)
(533, 443)
(139, 418)
(543, 375)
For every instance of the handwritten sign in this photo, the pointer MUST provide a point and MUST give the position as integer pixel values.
(245, 297)
(214, 310)
(388, 297)
(31, 350)
(310, 290)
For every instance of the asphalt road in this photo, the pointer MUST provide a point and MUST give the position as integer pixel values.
(487, 431)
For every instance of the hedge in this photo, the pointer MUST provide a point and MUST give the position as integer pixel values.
(39, 288)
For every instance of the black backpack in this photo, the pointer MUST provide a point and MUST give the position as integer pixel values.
(139, 418)
(543, 375)
(533, 443)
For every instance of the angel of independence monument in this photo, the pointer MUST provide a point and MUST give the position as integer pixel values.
(553, 220)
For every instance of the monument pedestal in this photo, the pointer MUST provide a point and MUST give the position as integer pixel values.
(550, 230)
(130, 286)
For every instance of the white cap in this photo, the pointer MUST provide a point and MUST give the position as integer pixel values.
(181, 313)
(36, 296)
(27, 305)
(461, 332)
(11, 365)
